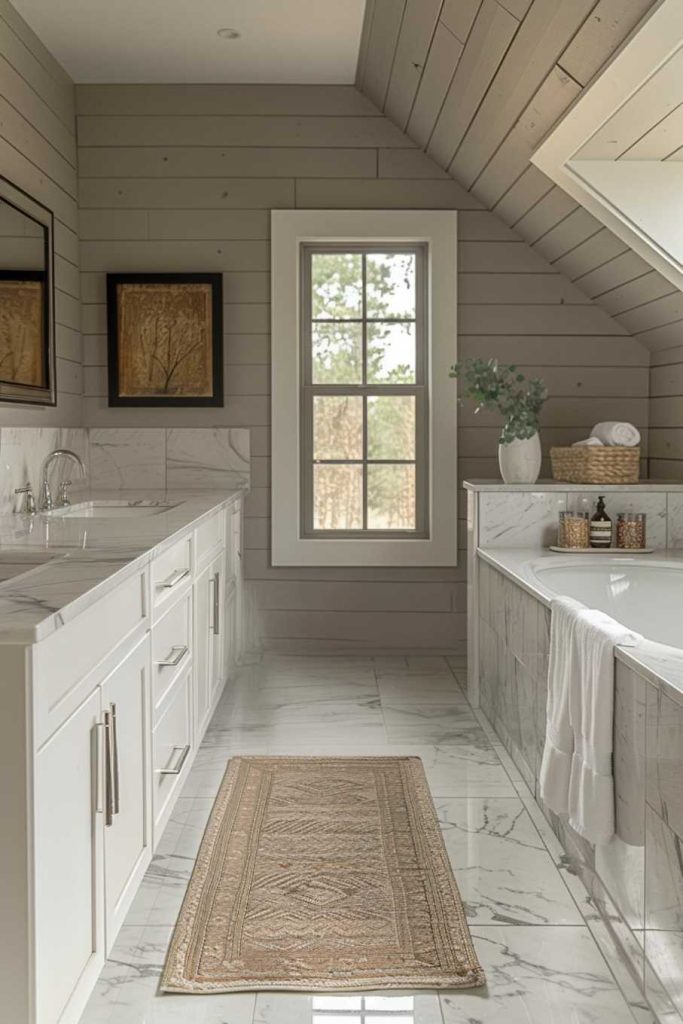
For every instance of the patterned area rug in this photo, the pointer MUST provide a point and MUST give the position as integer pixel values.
(321, 874)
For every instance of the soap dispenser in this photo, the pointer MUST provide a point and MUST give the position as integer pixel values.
(601, 527)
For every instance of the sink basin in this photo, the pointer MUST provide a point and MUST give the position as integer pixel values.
(111, 510)
(18, 563)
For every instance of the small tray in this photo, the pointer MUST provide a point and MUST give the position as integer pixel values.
(601, 551)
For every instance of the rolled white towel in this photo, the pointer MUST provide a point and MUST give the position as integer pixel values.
(588, 442)
(613, 433)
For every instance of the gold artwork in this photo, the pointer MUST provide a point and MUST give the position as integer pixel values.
(165, 340)
(22, 332)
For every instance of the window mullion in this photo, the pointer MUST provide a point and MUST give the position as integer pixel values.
(364, 332)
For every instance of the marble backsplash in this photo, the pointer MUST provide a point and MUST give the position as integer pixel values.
(115, 459)
(22, 451)
(174, 458)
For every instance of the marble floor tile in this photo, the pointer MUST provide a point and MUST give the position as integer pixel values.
(538, 975)
(434, 723)
(504, 872)
(420, 690)
(508, 862)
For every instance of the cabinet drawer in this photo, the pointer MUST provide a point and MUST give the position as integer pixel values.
(210, 536)
(171, 747)
(171, 647)
(64, 659)
(171, 571)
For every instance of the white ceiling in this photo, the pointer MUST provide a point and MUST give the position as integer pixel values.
(282, 41)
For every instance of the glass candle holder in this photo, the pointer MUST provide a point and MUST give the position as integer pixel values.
(631, 530)
(574, 530)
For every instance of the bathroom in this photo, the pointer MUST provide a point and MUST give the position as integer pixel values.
(303, 547)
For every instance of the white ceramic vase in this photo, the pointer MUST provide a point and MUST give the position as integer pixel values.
(520, 460)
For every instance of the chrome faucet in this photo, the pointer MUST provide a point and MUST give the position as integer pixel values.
(46, 503)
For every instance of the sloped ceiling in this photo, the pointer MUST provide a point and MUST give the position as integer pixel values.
(478, 84)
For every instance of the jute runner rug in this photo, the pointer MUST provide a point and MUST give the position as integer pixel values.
(321, 873)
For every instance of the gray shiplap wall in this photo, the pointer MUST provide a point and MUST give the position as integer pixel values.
(184, 178)
(478, 84)
(38, 154)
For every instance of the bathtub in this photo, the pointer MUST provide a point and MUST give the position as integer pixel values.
(642, 594)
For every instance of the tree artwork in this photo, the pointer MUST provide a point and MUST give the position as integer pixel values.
(164, 340)
(363, 334)
(22, 332)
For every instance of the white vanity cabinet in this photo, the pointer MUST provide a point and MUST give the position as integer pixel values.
(99, 724)
(92, 829)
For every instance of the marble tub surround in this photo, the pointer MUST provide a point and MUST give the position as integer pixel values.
(22, 452)
(183, 458)
(511, 519)
(526, 516)
(90, 555)
(661, 664)
(635, 880)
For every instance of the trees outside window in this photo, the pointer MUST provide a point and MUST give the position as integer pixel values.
(363, 389)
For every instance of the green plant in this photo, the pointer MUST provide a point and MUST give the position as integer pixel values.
(493, 386)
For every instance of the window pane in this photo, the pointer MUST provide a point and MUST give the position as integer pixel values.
(337, 1002)
(337, 427)
(336, 285)
(391, 497)
(390, 285)
(337, 497)
(391, 353)
(390, 1003)
(337, 353)
(391, 427)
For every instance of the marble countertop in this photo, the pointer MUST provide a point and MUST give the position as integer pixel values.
(563, 486)
(90, 555)
(661, 664)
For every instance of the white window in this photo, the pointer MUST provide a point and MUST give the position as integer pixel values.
(364, 425)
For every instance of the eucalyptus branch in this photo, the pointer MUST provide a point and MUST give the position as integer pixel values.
(503, 388)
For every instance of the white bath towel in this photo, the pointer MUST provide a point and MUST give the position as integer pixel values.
(588, 442)
(612, 432)
(576, 776)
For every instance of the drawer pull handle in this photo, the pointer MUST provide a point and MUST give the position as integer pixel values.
(174, 657)
(99, 761)
(216, 618)
(176, 770)
(115, 758)
(174, 579)
(108, 771)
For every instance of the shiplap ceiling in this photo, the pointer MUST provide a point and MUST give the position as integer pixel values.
(478, 84)
(124, 41)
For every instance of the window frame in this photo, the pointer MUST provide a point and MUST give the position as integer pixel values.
(437, 231)
(419, 390)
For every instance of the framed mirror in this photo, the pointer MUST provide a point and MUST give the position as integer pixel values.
(27, 334)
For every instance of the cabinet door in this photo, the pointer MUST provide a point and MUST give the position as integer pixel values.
(203, 649)
(69, 907)
(127, 833)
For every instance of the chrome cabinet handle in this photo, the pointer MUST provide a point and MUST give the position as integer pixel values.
(99, 779)
(216, 624)
(115, 758)
(174, 657)
(178, 767)
(174, 579)
(108, 772)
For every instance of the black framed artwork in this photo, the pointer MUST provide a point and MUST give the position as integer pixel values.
(27, 333)
(165, 339)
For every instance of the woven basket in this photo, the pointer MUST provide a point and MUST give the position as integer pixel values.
(593, 465)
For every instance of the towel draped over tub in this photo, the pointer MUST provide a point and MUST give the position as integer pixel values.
(576, 777)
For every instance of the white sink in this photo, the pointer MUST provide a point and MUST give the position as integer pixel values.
(18, 563)
(111, 510)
